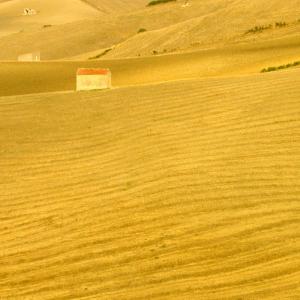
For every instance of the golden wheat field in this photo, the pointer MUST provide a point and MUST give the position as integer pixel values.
(180, 190)
(181, 181)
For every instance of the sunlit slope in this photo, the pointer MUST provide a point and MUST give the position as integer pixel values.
(233, 60)
(227, 22)
(184, 190)
(170, 28)
(48, 13)
(116, 6)
(63, 41)
(77, 38)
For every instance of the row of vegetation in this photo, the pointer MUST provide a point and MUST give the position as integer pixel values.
(257, 29)
(101, 54)
(155, 52)
(282, 67)
(156, 2)
(262, 28)
(164, 51)
(281, 24)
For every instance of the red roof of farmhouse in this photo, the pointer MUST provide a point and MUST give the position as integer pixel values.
(84, 71)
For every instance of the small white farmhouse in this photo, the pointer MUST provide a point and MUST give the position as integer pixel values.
(35, 56)
(93, 79)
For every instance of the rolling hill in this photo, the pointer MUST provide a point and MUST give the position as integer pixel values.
(56, 12)
(116, 6)
(181, 190)
(61, 41)
(207, 27)
(49, 13)
(169, 28)
(235, 60)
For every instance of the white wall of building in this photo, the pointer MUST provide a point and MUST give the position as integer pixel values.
(93, 82)
(30, 57)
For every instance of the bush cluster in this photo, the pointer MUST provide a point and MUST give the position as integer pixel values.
(155, 2)
(281, 24)
(142, 30)
(155, 52)
(259, 28)
(272, 69)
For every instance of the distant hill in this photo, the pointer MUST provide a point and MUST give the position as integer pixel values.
(54, 12)
(168, 28)
(49, 13)
(116, 6)
(208, 23)
(62, 41)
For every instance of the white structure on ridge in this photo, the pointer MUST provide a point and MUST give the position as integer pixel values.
(35, 56)
(186, 3)
(29, 12)
(93, 79)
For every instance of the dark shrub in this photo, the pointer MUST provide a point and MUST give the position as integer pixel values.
(156, 2)
(142, 30)
(257, 29)
(281, 24)
(101, 54)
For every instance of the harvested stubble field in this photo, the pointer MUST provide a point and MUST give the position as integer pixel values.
(180, 183)
(181, 190)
